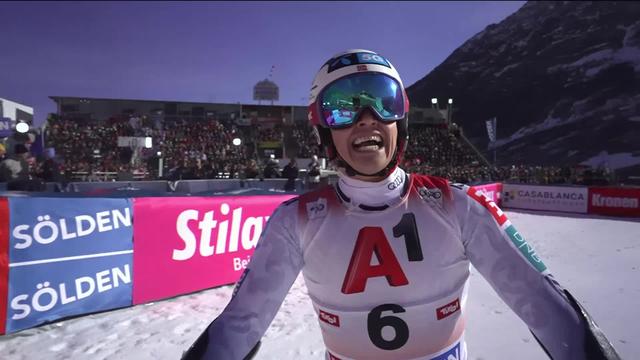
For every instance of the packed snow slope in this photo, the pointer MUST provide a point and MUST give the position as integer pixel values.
(595, 258)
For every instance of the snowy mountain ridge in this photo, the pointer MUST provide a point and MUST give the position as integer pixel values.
(561, 77)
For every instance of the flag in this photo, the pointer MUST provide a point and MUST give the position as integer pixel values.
(491, 129)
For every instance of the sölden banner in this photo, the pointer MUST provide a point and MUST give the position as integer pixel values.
(67, 257)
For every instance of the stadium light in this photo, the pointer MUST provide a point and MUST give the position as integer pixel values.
(434, 101)
(160, 164)
(22, 127)
(236, 141)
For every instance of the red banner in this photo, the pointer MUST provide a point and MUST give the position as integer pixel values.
(614, 201)
(4, 262)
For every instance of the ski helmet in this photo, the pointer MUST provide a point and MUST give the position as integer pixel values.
(337, 100)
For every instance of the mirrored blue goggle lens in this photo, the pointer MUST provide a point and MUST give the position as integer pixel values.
(341, 100)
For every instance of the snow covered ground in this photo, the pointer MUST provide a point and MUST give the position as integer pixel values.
(598, 259)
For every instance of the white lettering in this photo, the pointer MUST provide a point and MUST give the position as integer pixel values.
(370, 57)
(44, 289)
(47, 231)
(125, 276)
(103, 221)
(449, 309)
(88, 219)
(53, 230)
(518, 237)
(250, 238)
(119, 218)
(85, 293)
(530, 250)
(18, 306)
(243, 231)
(206, 226)
(488, 194)
(240, 264)
(223, 229)
(614, 202)
(46, 297)
(17, 233)
(330, 319)
(103, 281)
(481, 195)
(63, 229)
(235, 230)
(63, 295)
(185, 235)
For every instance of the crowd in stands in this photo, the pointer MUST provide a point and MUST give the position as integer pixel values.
(88, 148)
(88, 151)
(269, 134)
(439, 147)
(525, 174)
(201, 150)
(303, 135)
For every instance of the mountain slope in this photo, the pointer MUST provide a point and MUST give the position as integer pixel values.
(561, 77)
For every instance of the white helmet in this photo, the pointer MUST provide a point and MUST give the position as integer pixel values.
(390, 106)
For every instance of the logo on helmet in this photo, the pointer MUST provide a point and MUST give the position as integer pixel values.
(357, 59)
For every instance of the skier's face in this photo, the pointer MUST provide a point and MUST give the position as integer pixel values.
(368, 146)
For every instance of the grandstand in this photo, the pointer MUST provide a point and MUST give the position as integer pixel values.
(98, 139)
(193, 139)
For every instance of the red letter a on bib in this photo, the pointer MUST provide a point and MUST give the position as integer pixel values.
(370, 240)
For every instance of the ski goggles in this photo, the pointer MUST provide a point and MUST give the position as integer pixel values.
(342, 101)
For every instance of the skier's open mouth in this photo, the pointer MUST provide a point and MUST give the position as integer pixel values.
(368, 143)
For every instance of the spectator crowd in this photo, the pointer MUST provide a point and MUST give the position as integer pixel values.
(89, 151)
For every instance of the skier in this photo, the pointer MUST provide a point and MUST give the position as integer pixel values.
(386, 249)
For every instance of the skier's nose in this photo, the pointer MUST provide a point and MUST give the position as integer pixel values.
(367, 119)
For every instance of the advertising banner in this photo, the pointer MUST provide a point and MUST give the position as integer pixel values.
(68, 257)
(5, 126)
(612, 201)
(492, 191)
(186, 244)
(4, 261)
(491, 128)
(550, 198)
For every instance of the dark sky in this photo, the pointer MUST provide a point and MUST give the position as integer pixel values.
(216, 51)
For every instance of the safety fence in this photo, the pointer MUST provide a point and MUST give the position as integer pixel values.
(609, 201)
(67, 256)
(160, 187)
(63, 256)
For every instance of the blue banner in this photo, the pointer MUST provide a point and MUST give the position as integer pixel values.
(5, 126)
(68, 257)
(45, 292)
(45, 228)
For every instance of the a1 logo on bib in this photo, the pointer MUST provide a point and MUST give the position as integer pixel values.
(317, 209)
(432, 196)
